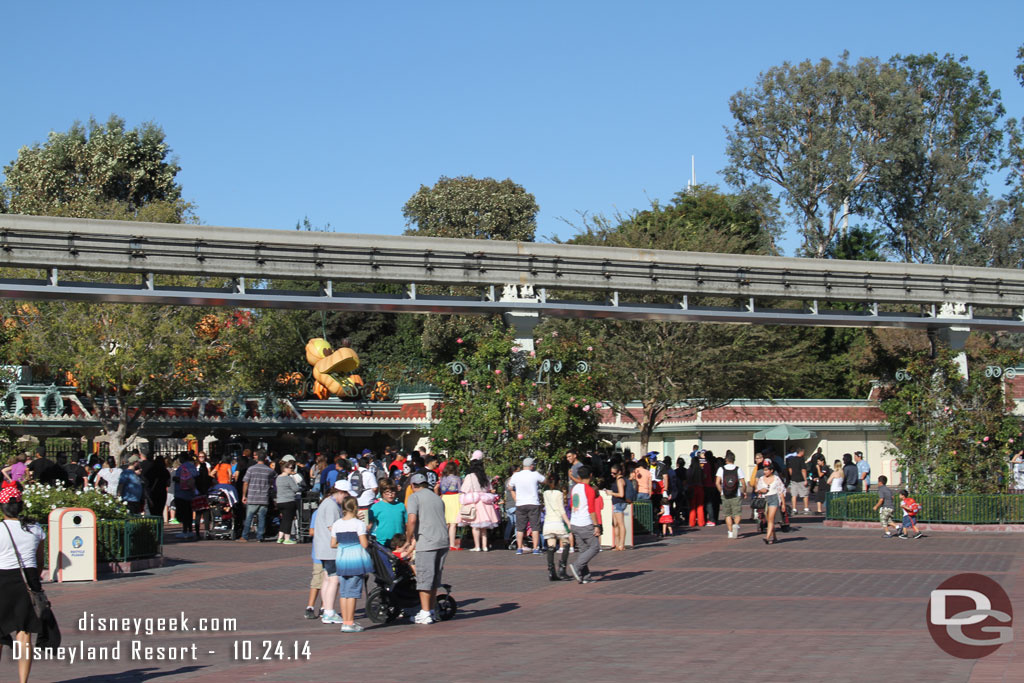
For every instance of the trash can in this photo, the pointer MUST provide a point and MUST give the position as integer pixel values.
(72, 540)
(606, 518)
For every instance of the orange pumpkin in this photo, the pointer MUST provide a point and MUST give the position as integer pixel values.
(320, 391)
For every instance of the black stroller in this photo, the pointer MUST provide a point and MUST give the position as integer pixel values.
(394, 589)
(222, 500)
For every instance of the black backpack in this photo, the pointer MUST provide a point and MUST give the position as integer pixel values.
(629, 491)
(730, 482)
(355, 482)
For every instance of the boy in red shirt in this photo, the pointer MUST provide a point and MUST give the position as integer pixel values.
(910, 510)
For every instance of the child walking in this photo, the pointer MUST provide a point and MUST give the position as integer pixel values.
(348, 535)
(884, 506)
(666, 518)
(556, 529)
(910, 510)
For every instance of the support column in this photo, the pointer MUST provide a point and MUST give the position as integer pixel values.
(522, 322)
(955, 336)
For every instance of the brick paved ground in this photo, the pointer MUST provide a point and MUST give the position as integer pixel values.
(838, 604)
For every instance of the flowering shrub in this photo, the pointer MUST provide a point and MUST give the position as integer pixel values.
(952, 435)
(506, 402)
(40, 499)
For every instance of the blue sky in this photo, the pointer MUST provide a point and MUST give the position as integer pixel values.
(339, 111)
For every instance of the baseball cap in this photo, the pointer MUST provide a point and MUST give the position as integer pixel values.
(343, 485)
(133, 459)
(650, 453)
(288, 458)
(477, 455)
(366, 451)
(418, 478)
(528, 462)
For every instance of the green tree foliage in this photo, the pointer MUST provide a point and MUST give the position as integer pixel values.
(504, 402)
(929, 195)
(697, 366)
(98, 171)
(471, 208)
(952, 435)
(466, 208)
(818, 132)
(698, 219)
(122, 357)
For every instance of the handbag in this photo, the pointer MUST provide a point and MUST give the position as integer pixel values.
(758, 504)
(468, 511)
(40, 603)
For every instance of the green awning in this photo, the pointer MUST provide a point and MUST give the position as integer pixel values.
(784, 433)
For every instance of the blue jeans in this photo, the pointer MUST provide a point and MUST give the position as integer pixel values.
(510, 528)
(261, 520)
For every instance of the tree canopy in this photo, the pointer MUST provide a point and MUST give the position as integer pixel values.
(472, 208)
(122, 357)
(98, 171)
(904, 146)
(697, 366)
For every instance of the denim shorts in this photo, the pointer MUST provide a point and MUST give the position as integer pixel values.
(909, 521)
(619, 507)
(330, 568)
(771, 501)
(350, 586)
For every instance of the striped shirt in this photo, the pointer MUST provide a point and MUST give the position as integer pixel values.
(259, 477)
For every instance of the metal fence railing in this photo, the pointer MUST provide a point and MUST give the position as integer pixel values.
(120, 540)
(996, 508)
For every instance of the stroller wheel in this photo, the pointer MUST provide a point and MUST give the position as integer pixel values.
(377, 608)
(446, 607)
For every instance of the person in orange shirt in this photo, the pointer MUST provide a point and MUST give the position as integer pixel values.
(221, 472)
(643, 481)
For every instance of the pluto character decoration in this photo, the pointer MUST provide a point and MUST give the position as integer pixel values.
(332, 369)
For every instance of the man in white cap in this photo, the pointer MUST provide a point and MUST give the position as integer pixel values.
(523, 485)
(327, 514)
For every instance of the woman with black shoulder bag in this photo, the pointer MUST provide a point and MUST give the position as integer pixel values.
(24, 609)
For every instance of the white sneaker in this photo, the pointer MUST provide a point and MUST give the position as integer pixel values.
(422, 618)
(730, 533)
(806, 510)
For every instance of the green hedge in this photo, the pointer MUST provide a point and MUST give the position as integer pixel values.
(937, 508)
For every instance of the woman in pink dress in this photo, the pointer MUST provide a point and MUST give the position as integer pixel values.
(477, 501)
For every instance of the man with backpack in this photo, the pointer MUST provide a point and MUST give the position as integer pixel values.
(364, 486)
(732, 484)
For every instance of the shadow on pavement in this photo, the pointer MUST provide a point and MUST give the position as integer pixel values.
(168, 562)
(789, 539)
(620, 576)
(497, 609)
(134, 675)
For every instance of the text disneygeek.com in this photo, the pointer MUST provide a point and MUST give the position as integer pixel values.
(244, 650)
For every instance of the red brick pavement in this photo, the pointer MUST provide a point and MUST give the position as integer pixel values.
(839, 604)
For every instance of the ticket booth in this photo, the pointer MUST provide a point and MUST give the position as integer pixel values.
(72, 544)
(606, 521)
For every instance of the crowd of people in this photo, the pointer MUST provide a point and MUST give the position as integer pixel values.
(415, 504)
